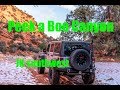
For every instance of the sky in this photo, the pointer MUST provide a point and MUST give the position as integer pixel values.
(43, 13)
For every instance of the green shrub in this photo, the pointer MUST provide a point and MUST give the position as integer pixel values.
(3, 47)
(42, 46)
(32, 49)
(34, 40)
(22, 47)
(36, 50)
(20, 54)
(13, 48)
(17, 36)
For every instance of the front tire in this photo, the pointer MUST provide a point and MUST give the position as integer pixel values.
(88, 78)
(41, 70)
(54, 76)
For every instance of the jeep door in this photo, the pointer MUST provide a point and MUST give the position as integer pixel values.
(56, 53)
(50, 50)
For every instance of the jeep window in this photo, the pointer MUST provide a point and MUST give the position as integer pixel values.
(57, 48)
(48, 47)
(52, 48)
(69, 48)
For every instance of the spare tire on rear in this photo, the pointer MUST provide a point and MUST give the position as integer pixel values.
(80, 59)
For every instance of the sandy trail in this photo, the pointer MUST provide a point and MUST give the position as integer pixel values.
(107, 73)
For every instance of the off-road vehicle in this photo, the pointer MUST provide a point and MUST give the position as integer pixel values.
(80, 56)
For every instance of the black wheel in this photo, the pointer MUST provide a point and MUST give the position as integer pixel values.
(88, 78)
(41, 70)
(80, 59)
(54, 76)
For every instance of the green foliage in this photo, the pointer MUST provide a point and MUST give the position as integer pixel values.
(13, 48)
(22, 47)
(33, 49)
(42, 46)
(34, 40)
(3, 47)
(83, 13)
(36, 50)
(97, 13)
(17, 36)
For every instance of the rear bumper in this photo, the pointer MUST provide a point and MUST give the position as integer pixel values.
(69, 70)
(72, 70)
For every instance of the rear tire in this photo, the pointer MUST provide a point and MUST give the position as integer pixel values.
(88, 78)
(54, 76)
(41, 70)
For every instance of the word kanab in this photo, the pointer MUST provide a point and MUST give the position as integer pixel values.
(76, 26)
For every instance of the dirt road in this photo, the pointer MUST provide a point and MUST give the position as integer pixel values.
(107, 73)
